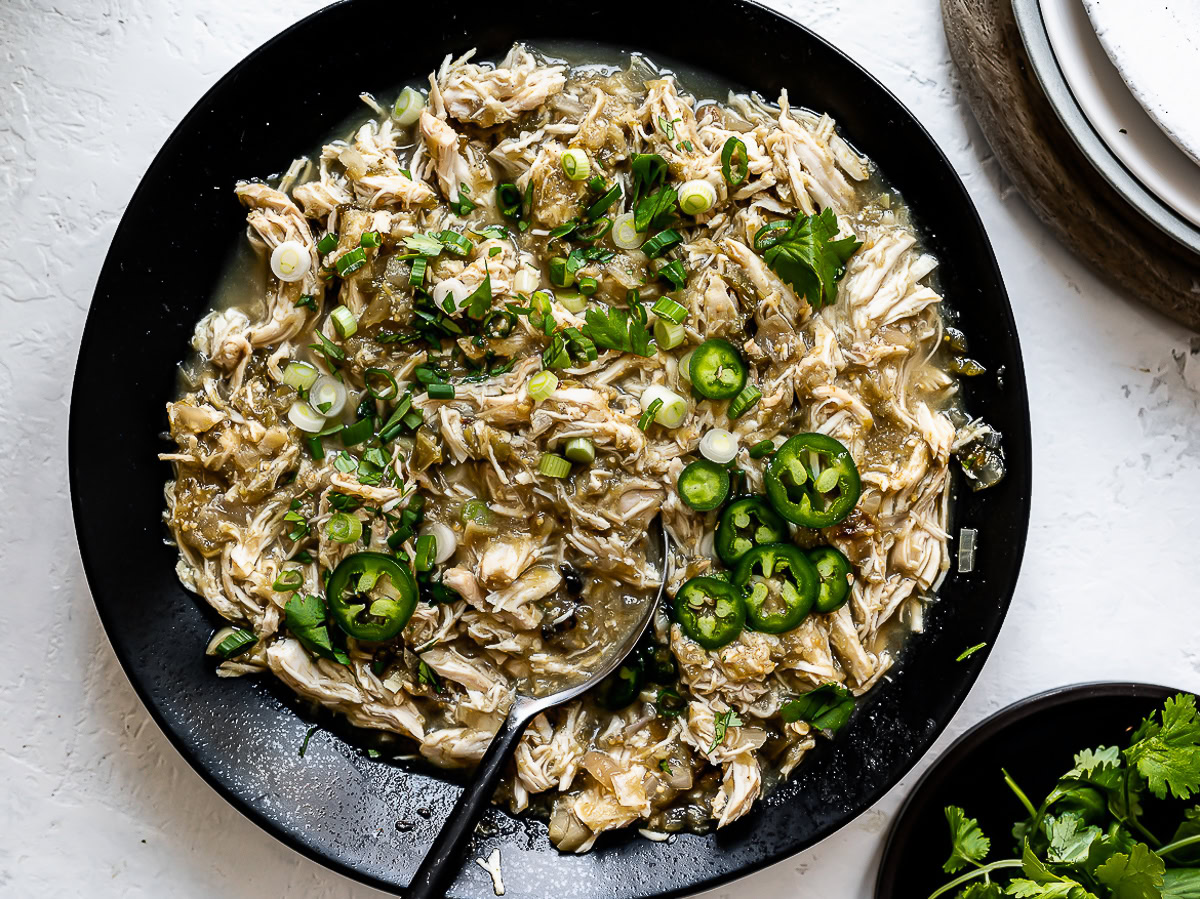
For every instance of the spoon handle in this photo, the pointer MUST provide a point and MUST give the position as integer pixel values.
(444, 858)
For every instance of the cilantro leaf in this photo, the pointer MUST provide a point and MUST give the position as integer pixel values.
(1070, 840)
(656, 211)
(1181, 883)
(969, 845)
(807, 256)
(1029, 889)
(726, 720)
(1168, 755)
(1189, 827)
(619, 329)
(826, 708)
(305, 618)
(1138, 875)
(425, 244)
(649, 170)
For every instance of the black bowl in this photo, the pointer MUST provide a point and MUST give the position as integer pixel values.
(1034, 740)
(335, 804)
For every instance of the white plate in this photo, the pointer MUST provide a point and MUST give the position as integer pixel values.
(1156, 49)
(1113, 112)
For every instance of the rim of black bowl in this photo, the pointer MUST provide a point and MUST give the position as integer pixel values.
(889, 880)
(625, 864)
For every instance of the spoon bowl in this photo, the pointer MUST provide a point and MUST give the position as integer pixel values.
(444, 857)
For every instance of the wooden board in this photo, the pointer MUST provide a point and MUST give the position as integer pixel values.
(1064, 190)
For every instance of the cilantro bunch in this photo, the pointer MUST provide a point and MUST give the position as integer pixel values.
(1088, 839)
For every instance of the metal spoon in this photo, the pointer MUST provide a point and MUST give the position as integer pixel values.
(443, 860)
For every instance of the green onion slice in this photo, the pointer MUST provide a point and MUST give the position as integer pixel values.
(576, 165)
(370, 239)
(236, 643)
(327, 244)
(408, 106)
(580, 449)
(762, 448)
(742, 403)
(344, 321)
(573, 302)
(553, 466)
(343, 528)
(665, 307)
(661, 242)
(300, 375)
(390, 388)
(668, 334)
(351, 262)
(440, 391)
(542, 385)
(648, 416)
(289, 580)
(602, 205)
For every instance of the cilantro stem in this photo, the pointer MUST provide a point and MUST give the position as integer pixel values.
(1178, 844)
(978, 872)
(1012, 785)
(1132, 820)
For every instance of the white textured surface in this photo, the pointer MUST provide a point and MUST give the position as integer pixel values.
(94, 801)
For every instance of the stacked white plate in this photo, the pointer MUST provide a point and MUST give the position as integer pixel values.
(1123, 77)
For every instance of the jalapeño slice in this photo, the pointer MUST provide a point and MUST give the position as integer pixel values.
(745, 524)
(703, 485)
(717, 371)
(371, 596)
(622, 687)
(780, 585)
(834, 570)
(710, 611)
(812, 481)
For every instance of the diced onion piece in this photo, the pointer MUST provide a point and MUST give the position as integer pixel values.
(580, 449)
(290, 261)
(307, 419)
(447, 540)
(408, 106)
(573, 302)
(576, 165)
(696, 197)
(344, 321)
(542, 385)
(685, 366)
(450, 287)
(667, 334)
(300, 375)
(327, 396)
(356, 165)
(719, 446)
(527, 280)
(553, 466)
(674, 407)
(625, 234)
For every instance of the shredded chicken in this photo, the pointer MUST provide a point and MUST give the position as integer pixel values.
(541, 573)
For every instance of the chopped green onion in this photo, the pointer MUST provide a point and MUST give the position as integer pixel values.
(499, 324)
(370, 239)
(602, 205)
(553, 466)
(344, 321)
(327, 244)
(429, 374)
(360, 431)
(303, 416)
(235, 644)
(476, 510)
(665, 307)
(327, 396)
(408, 106)
(300, 375)
(735, 171)
(625, 233)
(674, 273)
(289, 580)
(744, 400)
(588, 286)
(316, 447)
(456, 243)
(352, 261)
(719, 445)
(508, 199)
(542, 385)
(668, 334)
(426, 550)
(573, 302)
(390, 388)
(417, 275)
(661, 242)
(651, 411)
(673, 409)
(440, 391)
(762, 448)
(580, 449)
(560, 274)
(576, 165)
(343, 528)
(595, 231)
(697, 197)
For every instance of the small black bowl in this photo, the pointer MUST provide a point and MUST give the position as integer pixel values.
(1035, 740)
